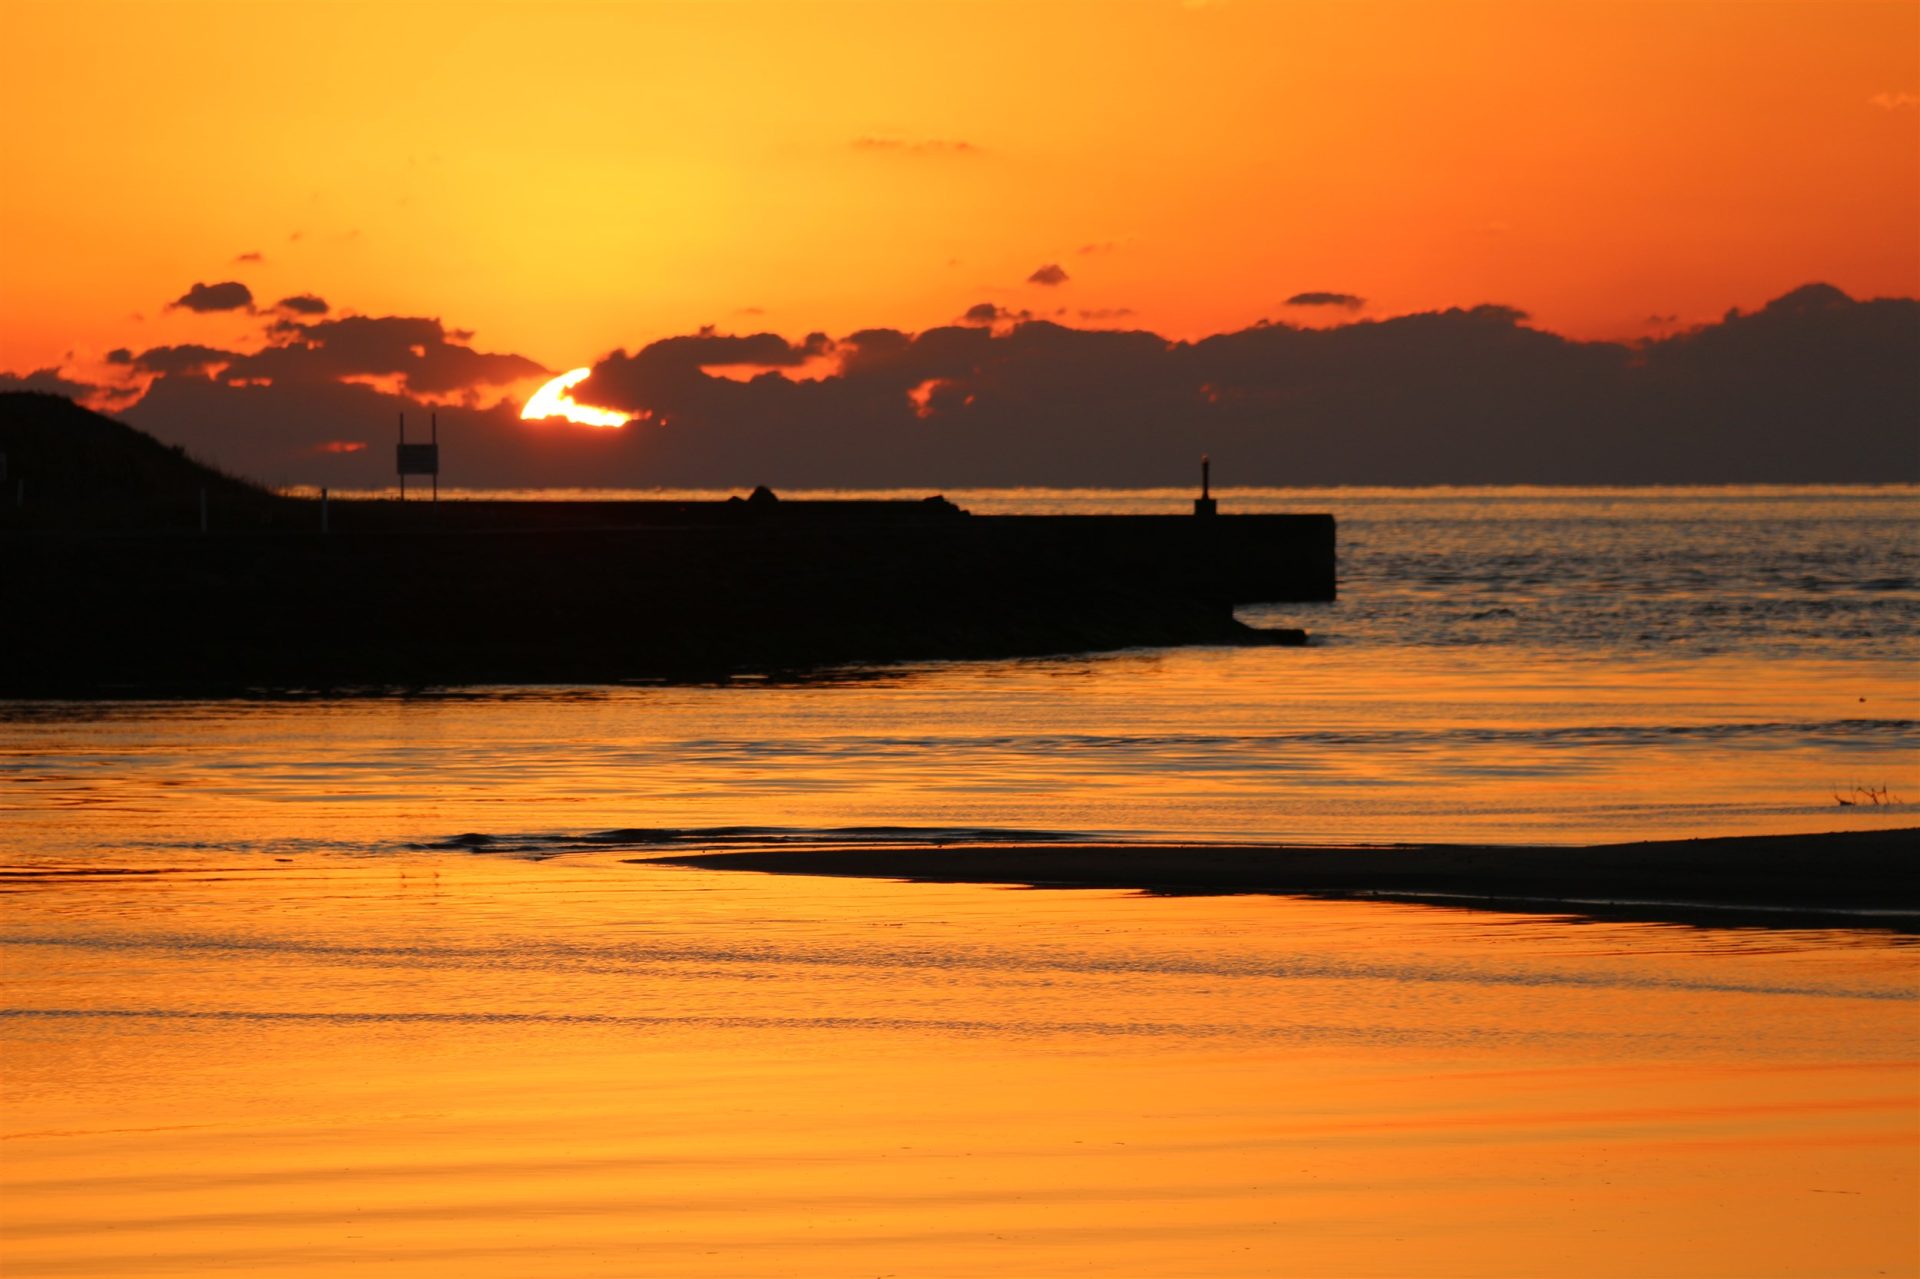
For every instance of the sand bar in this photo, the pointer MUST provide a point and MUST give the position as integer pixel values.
(1860, 879)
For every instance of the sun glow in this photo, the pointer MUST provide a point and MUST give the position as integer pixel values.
(552, 400)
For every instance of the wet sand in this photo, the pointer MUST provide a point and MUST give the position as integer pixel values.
(1851, 878)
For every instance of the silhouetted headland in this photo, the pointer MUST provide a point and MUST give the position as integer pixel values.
(1859, 879)
(134, 570)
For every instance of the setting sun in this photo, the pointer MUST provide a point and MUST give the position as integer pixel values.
(552, 400)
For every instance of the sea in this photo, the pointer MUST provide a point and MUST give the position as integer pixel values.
(296, 984)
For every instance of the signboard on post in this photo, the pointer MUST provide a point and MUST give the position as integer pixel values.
(419, 459)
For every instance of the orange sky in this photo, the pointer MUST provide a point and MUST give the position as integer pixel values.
(566, 180)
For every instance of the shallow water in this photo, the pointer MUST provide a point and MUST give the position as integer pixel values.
(431, 1061)
(1552, 666)
(297, 985)
(1321, 745)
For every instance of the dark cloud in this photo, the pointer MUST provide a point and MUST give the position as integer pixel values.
(302, 304)
(664, 370)
(187, 359)
(1102, 246)
(254, 256)
(414, 349)
(282, 412)
(1814, 387)
(891, 362)
(230, 295)
(992, 313)
(49, 381)
(293, 433)
(1807, 299)
(1106, 313)
(908, 146)
(1049, 275)
(1347, 300)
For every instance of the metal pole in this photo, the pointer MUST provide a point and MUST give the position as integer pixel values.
(433, 423)
(401, 468)
(323, 510)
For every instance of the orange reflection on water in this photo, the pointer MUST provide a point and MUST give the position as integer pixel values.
(435, 1062)
(1322, 745)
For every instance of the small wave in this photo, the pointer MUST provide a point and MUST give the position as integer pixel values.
(654, 955)
(964, 1027)
(670, 837)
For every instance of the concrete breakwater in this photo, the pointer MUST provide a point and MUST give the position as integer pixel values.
(133, 569)
(588, 592)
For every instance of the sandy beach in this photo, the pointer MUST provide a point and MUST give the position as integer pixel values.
(1853, 878)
